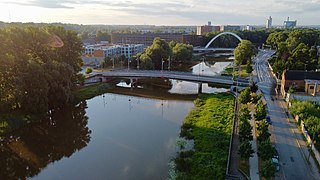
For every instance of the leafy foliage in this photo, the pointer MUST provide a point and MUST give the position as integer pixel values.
(210, 126)
(88, 70)
(260, 110)
(245, 96)
(244, 52)
(245, 149)
(268, 169)
(38, 68)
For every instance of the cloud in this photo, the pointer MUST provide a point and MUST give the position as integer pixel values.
(44, 4)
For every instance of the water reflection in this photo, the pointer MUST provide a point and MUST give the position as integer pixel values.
(185, 87)
(209, 68)
(26, 152)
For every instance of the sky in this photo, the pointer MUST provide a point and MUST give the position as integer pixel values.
(161, 12)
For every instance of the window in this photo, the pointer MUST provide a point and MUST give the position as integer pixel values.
(311, 87)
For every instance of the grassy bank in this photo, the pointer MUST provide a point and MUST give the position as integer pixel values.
(229, 71)
(210, 126)
(88, 92)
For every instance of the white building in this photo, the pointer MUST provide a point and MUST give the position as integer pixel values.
(94, 54)
(269, 22)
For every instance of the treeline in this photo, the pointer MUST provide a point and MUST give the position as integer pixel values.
(296, 49)
(38, 68)
(161, 53)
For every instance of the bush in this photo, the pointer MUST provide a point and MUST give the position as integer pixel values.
(88, 70)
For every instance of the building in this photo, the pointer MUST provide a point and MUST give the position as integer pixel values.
(201, 30)
(229, 28)
(300, 80)
(94, 54)
(289, 24)
(249, 28)
(269, 22)
(146, 39)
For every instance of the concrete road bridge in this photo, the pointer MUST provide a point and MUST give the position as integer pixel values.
(186, 76)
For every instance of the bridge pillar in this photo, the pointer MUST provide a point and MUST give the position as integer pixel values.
(199, 88)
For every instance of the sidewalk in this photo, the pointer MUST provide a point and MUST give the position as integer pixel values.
(253, 161)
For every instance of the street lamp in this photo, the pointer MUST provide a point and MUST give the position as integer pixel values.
(138, 63)
(113, 63)
(128, 63)
(169, 66)
(162, 64)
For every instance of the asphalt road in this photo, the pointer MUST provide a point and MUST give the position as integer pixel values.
(285, 135)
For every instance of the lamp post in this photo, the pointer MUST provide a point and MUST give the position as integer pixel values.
(128, 63)
(169, 66)
(113, 63)
(162, 64)
(138, 63)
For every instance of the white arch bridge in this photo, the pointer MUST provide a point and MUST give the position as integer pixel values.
(206, 48)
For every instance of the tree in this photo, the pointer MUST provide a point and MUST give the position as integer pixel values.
(182, 52)
(249, 68)
(260, 111)
(245, 149)
(88, 70)
(268, 169)
(312, 124)
(265, 150)
(245, 131)
(40, 66)
(245, 96)
(244, 113)
(244, 52)
(159, 51)
(263, 132)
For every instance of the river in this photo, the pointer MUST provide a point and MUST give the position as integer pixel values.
(112, 136)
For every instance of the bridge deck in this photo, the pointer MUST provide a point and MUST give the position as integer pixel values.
(175, 75)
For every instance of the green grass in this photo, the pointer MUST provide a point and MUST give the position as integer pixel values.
(88, 92)
(210, 126)
(229, 71)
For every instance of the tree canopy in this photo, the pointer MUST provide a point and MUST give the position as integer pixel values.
(244, 52)
(38, 67)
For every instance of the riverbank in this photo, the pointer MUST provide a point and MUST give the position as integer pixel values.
(88, 92)
(209, 126)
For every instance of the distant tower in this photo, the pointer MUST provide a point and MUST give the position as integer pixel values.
(269, 22)
(209, 23)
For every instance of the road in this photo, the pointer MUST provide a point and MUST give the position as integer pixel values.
(174, 75)
(284, 133)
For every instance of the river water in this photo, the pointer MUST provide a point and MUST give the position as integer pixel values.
(111, 136)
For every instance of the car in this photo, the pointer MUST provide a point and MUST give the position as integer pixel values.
(268, 120)
(275, 162)
(275, 152)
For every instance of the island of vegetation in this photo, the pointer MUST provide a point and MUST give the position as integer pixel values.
(209, 126)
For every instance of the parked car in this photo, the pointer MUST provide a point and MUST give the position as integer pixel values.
(275, 162)
(268, 120)
(275, 152)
